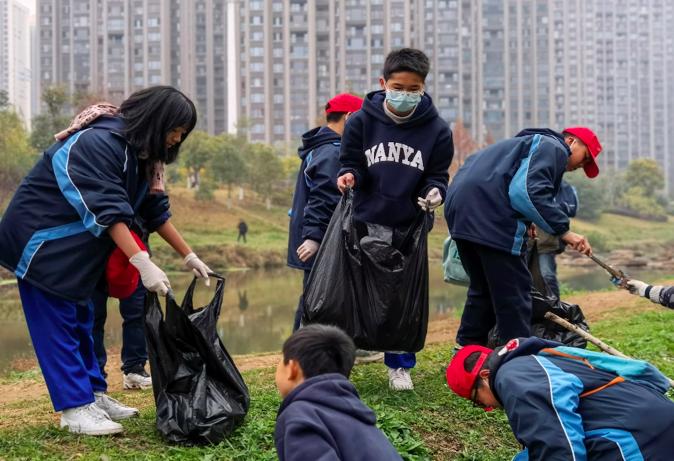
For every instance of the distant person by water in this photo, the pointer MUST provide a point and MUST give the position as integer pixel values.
(243, 230)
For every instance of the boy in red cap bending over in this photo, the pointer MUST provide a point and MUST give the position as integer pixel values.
(496, 196)
(565, 403)
(316, 194)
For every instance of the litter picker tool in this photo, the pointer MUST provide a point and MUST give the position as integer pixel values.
(616, 273)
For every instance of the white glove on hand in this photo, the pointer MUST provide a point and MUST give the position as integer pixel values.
(637, 286)
(307, 250)
(432, 201)
(200, 269)
(153, 278)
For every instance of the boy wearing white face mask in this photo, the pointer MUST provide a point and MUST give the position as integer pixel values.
(395, 154)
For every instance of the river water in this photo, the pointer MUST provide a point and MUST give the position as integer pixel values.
(259, 306)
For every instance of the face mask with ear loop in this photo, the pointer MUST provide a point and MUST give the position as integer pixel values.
(403, 101)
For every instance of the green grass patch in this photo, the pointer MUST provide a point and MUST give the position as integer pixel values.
(429, 423)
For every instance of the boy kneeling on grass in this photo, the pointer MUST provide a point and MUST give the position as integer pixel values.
(565, 403)
(322, 416)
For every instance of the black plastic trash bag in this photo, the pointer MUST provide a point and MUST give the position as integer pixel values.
(371, 281)
(544, 301)
(199, 393)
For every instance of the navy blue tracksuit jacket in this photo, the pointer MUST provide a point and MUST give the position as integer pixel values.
(503, 188)
(316, 194)
(324, 419)
(393, 164)
(54, 232)
(541, 395)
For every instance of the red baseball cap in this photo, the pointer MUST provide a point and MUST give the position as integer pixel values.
(344, 102)
(458, 379)
(593, 146)
(121, 275)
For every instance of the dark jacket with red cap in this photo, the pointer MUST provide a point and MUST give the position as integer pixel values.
(541, 394)
(392, 163)
(324, 419)
(503, 188)
(54, 232)
(316, 194)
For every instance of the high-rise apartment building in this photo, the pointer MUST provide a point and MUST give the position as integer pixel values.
(16, 22)
(110, 48)
(269, 66)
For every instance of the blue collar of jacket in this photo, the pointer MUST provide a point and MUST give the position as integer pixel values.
(512, 349)
(116, 125)
(545, 132)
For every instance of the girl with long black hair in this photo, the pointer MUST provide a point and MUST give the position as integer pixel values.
(65, 219)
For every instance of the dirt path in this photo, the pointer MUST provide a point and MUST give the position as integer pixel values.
(19, 394)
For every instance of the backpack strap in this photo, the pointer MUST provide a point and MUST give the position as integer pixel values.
(552, 351)
(613, 382)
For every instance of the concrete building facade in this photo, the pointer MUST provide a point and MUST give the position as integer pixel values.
(16, 22)
(269, 66)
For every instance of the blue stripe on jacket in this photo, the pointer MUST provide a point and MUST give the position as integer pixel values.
(68, 188)
(629, 449)
(519, 193)
(39, 238)
(564, 390)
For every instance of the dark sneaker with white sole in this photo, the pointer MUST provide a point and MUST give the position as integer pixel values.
(137, 379)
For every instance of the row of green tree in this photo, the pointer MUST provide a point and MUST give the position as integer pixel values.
(637, 191)
(211, 162)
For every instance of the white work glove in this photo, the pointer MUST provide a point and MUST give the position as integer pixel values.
(200, 269)
(307, 250)
(637, 286)
(432, 201)
(153, 278)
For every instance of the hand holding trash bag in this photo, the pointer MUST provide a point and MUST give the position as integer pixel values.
(346, 181)
(432, 201)
(307, 250)
(199, 268)
(153, 278)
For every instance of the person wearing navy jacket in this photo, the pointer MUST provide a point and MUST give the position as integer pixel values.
(396, 154)
(63, 222)
(316, 194)
(565, 403)
(321, 416)
(492, 201)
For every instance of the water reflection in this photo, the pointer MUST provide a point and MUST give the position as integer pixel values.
(258, 308)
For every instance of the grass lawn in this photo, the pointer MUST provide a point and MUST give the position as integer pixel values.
(429, 423)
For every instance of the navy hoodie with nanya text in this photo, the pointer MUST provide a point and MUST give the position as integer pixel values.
(393, 163)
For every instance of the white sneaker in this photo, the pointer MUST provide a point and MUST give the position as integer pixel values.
(399, 379)
(113, 408)
(89, 420)
(140, 380)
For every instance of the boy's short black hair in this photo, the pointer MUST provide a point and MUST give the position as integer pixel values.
(334, 117)
(406, 60)
(320, 349)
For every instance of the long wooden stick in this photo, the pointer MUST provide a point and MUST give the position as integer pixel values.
(594, 340)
